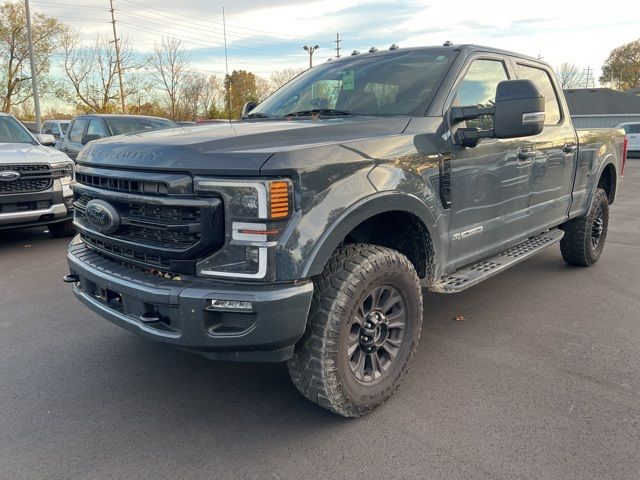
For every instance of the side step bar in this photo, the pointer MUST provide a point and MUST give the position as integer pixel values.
(477, 272)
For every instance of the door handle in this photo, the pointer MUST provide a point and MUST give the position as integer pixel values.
(569, 148)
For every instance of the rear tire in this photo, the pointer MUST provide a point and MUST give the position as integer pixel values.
(584, 237)
(64, 229)
(363, 330)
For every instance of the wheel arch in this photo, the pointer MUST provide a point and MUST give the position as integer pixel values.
(358, 222)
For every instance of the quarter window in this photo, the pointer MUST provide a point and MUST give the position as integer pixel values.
(542, 80)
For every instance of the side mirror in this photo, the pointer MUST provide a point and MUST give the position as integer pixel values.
(45, 139)
(519, 109)
(247, 107)
(89, 138)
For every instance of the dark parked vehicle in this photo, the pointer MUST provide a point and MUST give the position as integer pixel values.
(86, 128)
(305, 232)
(34, 181)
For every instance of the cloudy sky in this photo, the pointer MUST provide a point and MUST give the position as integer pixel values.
(266, 35)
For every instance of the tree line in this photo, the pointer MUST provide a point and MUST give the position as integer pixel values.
(162, 83)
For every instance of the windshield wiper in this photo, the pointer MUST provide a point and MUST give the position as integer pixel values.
(319, 111)
(257, 115)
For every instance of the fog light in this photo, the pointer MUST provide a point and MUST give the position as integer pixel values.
(241, 305)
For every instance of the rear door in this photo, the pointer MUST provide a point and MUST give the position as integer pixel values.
(490, 182)
(73, 141)
(554, 162)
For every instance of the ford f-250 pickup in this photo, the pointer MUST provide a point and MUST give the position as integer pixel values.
(306, 231)
(35, 181)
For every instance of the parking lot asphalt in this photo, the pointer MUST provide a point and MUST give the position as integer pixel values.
(541, 380)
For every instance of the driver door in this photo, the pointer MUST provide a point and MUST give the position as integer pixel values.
(489, 182)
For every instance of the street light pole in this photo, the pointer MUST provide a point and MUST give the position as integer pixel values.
(311, 50)
(34, 79)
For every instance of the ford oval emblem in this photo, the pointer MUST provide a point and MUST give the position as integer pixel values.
(9, 176)
(102, 216)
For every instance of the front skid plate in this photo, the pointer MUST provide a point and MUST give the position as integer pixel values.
(477, 272)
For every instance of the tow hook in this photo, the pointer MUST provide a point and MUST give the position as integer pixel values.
(71, 278)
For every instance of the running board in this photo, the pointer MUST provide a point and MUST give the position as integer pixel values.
(475, 273)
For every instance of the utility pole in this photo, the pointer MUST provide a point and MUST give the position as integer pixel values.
(116, 40)
(310, 50)
(34, 79)
(337, 42)
(226, 65)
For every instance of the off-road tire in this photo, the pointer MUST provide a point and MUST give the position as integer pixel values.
(321, 366)
(577, 246)
(63, 229)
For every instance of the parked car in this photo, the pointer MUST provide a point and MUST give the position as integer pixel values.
(306, 231)
(57, 128)
(86, 128)
(632, 131)
(34, 181)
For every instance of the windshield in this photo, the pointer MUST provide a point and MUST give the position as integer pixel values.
(122, 125)
(12, 132)
(400, 83)
(64, 126)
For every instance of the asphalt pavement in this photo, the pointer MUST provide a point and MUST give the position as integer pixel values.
(540, 380)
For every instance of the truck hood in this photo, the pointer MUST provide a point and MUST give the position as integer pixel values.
(15, 153)
(239, 148)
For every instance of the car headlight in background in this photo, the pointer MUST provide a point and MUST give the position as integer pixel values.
(256, 212)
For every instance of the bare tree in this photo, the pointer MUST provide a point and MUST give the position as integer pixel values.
(92, 71)
(570, 76)
(171, 69)
(281, 77)
(15, 72)
(212, 99)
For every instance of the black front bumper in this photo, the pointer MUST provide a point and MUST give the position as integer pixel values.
(267, 333)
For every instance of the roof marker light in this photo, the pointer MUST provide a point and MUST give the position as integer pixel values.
(373, 50)
(355, 52)
(394, 46)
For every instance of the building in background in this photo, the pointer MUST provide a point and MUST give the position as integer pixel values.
(602, 107)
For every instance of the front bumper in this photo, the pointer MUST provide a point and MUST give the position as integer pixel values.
(267, 333)
(59, 208)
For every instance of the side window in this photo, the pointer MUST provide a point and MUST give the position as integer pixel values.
(542, 80)
(478, 87)
(76, 130)
(97, 128)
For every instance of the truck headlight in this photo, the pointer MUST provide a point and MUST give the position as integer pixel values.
(256, 212)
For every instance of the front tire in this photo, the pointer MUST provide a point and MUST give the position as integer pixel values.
(63, 229)
(363, 330)
(584, 237)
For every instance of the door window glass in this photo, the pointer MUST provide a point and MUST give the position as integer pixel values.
(541, 80)
(97, 128)
(479, 88)
(77, 129)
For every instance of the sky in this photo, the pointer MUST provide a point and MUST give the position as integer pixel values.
(268, 35)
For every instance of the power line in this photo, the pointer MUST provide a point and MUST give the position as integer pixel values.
(228, 26)
(337, 42)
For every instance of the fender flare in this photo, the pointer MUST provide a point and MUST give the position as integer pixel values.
(610, 159)
(359, 212)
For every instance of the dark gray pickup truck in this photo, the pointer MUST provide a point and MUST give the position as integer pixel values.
(306, 232)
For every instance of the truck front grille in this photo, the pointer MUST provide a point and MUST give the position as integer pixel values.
(122, 184)
(25, 186)
(153, 231)
(33, 178)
